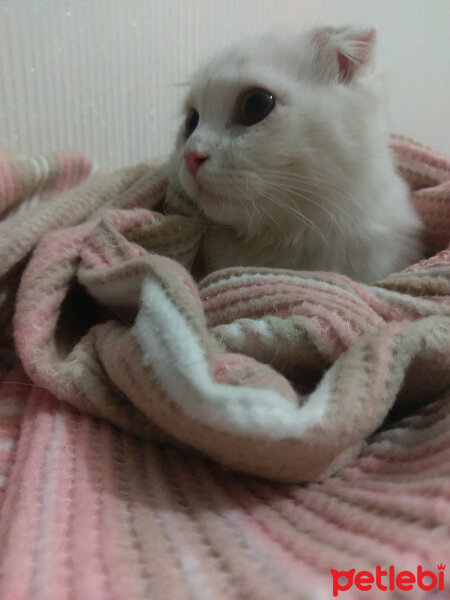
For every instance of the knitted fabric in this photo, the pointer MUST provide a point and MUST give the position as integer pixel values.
(132, 368)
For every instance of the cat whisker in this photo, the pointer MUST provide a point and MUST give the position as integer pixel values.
(251, 215)
(269, 216)
(232, 177)
(296, 183)
(302, 178)
(346, 218)
(304, 197)
(295, 213)
(265, 212)
(253, 205)
(289, 184)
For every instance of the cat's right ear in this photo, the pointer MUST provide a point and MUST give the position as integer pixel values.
(341, 54)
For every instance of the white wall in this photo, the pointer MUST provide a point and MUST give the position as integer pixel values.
(101, 76)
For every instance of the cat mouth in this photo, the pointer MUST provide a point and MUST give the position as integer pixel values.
(210, 202)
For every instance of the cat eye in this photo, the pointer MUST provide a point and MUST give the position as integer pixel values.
(254, 106)
(191, 122)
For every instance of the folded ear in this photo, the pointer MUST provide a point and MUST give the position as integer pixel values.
(342, 53)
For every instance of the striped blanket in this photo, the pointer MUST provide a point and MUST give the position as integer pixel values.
(123, 376)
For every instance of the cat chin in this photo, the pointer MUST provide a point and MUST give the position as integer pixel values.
(214, 207)
(217, 209)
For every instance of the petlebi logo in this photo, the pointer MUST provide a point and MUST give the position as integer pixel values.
(388, 580)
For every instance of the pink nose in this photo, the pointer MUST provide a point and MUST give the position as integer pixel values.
(194, 161)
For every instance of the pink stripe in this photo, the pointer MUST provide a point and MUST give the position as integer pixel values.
(113, 518)
(238, 301)
(299, 561)
(52, 577)
(21, 510)
(12, 404)
(74, 169)
(89, 577)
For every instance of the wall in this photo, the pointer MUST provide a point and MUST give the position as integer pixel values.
(103, 76)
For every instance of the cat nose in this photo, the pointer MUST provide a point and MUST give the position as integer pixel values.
(194, 161)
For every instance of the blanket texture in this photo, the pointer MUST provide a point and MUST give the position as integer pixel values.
(120, 371)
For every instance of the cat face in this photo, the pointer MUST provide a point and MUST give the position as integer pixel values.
(270, 124)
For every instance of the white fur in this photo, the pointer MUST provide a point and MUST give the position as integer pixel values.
(313, 185)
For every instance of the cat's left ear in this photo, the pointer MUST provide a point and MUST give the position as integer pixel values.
(342, 53)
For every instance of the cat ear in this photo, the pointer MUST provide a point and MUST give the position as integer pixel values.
(342, 53)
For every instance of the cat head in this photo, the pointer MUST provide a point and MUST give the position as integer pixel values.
(269, 124)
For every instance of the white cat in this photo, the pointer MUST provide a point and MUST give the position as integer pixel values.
(285, 151)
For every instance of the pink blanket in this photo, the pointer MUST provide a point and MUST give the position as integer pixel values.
(132, 368)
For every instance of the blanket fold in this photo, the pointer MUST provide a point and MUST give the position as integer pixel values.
(275, 373)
